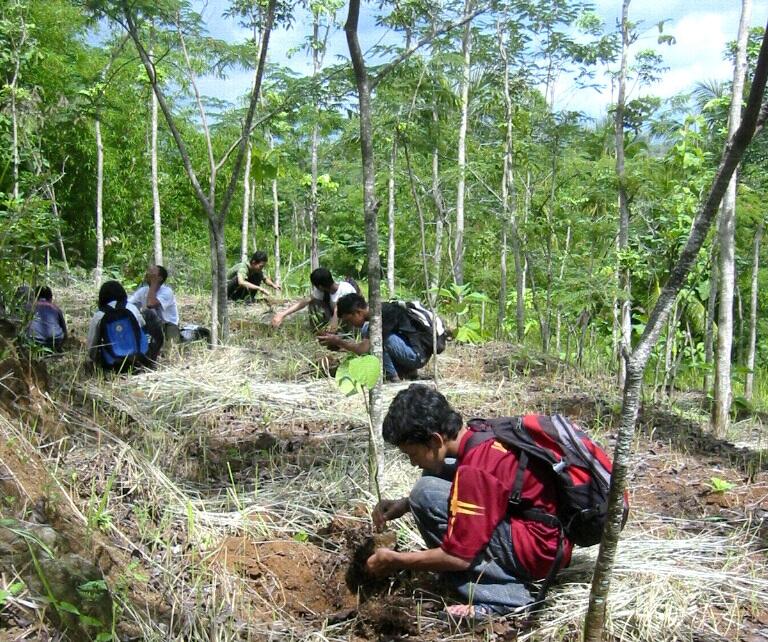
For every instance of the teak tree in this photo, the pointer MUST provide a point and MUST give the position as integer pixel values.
(754, 117)
(129, 17)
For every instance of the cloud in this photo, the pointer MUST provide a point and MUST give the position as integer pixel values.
(701, 36)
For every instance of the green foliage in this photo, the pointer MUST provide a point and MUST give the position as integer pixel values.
(718, 485)
(358, 374)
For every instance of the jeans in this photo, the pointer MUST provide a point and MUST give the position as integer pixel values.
(491, 580)
(400, 356)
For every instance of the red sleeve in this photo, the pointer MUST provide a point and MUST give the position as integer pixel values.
(478, 503)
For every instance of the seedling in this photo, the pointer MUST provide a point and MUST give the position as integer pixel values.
(361, 374)
(719, 485)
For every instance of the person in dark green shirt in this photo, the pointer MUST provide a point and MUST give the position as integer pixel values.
(244, 279)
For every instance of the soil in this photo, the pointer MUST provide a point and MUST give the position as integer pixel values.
(318, 579)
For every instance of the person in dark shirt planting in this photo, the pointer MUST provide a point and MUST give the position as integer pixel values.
(47, 327)
(460, 506)
(403, 354)
(244, 279)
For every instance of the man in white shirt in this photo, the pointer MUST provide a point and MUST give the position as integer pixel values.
(322, 300)
(156, 299)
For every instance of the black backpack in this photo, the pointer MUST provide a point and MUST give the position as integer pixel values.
(422, 320)
(122, 343)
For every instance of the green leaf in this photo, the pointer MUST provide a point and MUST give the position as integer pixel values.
(67, 607)
(365, 370)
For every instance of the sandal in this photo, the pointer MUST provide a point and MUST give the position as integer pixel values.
(470, 615)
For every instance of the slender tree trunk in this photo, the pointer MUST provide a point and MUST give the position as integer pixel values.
(99, 210)
(15, 135)
(624, 284)
(156, 216)
(594, 622)
(371, 230)
(437, 196)
(215, 316)
(13, 89)
(709, 342)
(726, 239)
(506, 184)
(60, 241)
(391, 219)
(466, 53)
(520, 266)
(313, 244)
(750, 380)
(246, 205)
(275, 221)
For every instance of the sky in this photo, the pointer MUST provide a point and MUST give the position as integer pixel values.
(701, 29)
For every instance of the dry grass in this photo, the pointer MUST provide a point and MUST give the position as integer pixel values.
(131, 441)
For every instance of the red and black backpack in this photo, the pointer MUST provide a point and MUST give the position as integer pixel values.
(580, 470)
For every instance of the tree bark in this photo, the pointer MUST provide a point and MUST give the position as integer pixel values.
(466, 53)
(727, 243)
(506, 185)
(156, 214)
(391, 219)
(275, 221)
(624, 284)
(636, 361)
(371, 231)
(709, 342)
(99, 209)
(246, 205)
(437, 197)
(750, 380)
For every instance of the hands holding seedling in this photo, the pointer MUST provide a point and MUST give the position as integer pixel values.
(384, 559)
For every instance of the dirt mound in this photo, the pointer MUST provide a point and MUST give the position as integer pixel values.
(296, 577)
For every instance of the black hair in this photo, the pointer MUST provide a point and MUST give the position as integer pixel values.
(418, 412)
(111, 291)
(259, 257)
(349, 303)
(162, 272)
(321, 278)
(45, 293)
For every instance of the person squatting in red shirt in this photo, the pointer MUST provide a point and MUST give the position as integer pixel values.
(460, 505)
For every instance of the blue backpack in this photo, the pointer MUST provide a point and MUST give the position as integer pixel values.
(122, 342)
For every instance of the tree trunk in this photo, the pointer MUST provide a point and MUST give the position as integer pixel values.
(624, 284)
(60, 241)
(520, 265)
(466, 53)
(750, 380)
(156, 218)
(726, 240)
(99, 210)
(313, 245)
(506, 185)
(275, 221)
(391, 219)
(594, 622)
(437, 196)
(709, 342)
(246, 206)
(371, 232)
(13, 87)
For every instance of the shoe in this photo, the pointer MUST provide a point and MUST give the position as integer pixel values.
(411, 375)
(392, 378)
